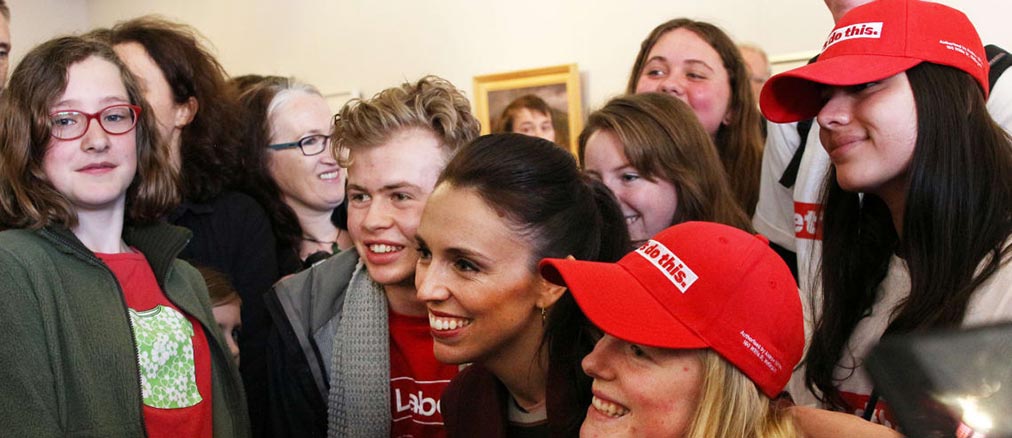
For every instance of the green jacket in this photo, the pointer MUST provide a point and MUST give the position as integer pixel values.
(68, 366)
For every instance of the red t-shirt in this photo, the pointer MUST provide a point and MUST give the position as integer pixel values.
(172, 353)
(417, 379)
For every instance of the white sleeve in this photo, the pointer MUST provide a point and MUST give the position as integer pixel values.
(774, 214)
(999, 102)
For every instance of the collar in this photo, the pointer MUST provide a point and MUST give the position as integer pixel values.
(160, 243)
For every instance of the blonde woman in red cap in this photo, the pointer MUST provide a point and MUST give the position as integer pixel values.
(702, 328)
(917, 205)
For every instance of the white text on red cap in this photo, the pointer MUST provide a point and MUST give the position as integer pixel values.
(859, 30)
(668, 263)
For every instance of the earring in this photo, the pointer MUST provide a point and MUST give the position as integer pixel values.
(544, 315)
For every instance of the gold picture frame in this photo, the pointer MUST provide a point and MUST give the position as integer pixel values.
(558, 86)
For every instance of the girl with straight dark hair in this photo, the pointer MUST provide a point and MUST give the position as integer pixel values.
(918, 201)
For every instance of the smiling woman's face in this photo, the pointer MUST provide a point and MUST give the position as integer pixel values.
(476, 277)
(641, 391)
(314, 183)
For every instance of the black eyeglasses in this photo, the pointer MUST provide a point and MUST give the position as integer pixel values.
(73, 124)
(310, 144)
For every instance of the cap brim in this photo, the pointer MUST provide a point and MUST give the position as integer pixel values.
(797, 94)
(615, 301)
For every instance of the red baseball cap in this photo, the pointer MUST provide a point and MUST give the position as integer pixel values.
(873, 42)
(697, 285)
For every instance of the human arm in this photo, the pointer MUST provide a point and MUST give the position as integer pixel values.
(28, 397)
(820, 423)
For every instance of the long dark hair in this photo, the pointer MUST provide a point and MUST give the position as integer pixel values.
(957, 218)
(542, 192)
(208, 144)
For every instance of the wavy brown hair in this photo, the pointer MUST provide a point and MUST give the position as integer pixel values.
(740, 142)
(432, 103)
(209, 143)
(662, 139)
(27, 198)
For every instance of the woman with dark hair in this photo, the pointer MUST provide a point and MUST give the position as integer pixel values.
(503, 203)
(698, 63)
(918, 205)
(653, 154)
(196, 114)
(103, 331)
(290, 168)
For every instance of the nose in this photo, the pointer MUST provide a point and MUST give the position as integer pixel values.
(327, 156)
(429, 282)
(673, 84)
(95, 138)
(837, 111)
(377, 215)
(595, 364)
(233, 348)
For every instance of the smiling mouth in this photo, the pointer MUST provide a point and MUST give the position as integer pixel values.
(328, 176)
(379, 248)
(610, 409)
(442, 323)
(629, 220)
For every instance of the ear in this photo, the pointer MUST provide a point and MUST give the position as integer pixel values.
(185, 112)
(551, 292)
(728, 118)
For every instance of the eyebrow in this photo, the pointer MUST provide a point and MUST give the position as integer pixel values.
(108, 100)
(458, 252)
(688, 61)
(386, 188)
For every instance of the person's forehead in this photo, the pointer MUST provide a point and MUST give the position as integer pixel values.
(5, 30)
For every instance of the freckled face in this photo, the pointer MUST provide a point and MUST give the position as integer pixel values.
(93, 172)
(641, 391)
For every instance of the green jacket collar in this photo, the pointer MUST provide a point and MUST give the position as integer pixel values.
(160, 243)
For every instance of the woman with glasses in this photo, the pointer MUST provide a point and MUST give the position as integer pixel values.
(103, 331)
(291, 169)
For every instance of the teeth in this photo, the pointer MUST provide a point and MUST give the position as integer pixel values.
(609, 409)
(630, 219)
(441, 323)
(383, 249)
(330, 175)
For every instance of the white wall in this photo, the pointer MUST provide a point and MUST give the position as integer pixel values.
(370, 45)
(35, 21)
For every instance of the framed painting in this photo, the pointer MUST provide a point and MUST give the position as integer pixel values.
(557, 86)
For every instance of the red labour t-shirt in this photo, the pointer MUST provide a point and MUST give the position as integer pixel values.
(172, 353)
(417, 379)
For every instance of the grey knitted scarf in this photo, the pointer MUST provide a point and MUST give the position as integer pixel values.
(360, 372)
